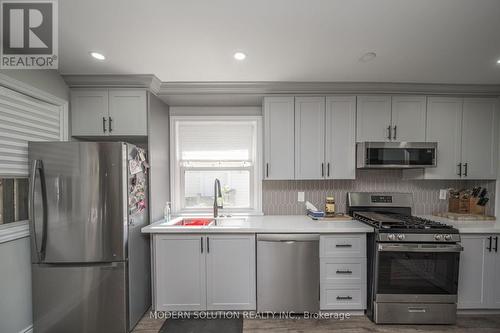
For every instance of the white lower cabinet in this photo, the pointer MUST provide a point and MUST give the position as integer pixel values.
(343, 272)
(179, 265)
(204, 272)
(478, 286)
(231, 272)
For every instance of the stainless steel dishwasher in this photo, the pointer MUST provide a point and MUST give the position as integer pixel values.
(288, 272)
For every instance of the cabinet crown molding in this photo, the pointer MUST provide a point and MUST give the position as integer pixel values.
(145, 81)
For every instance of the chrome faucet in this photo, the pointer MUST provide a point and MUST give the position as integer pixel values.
(217, 198)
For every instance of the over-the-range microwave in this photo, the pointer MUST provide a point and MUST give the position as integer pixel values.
(396, 155)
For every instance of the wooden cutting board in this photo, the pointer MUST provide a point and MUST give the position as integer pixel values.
(465, 217)
(341, 217)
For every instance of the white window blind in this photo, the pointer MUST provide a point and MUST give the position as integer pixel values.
(24, 119)
(215, 141)
(208, 149)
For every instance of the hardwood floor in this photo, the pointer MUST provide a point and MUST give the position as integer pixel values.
(358, 324)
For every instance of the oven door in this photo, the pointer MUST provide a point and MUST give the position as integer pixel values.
(417, 272)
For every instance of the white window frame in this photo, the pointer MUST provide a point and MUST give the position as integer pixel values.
(20, 229)
(177, 180)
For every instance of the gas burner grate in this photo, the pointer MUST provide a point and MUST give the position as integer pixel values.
(399, 221)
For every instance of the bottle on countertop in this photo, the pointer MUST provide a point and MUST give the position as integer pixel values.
(166, 212)
(330, 206)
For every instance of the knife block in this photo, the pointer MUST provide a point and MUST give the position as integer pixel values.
(474, 208)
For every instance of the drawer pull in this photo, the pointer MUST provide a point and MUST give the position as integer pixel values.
(345, 271)
(417, 310)
(343, 245)
(344, 298)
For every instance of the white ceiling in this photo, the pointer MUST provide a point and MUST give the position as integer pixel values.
(425, 41)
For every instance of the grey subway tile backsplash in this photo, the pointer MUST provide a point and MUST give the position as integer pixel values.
(280, 196)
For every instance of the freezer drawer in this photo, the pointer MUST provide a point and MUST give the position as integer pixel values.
(79, 299)
(288, 272)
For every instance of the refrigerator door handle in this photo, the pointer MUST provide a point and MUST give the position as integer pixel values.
(38, 167)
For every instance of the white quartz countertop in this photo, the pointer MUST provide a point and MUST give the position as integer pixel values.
(263, 224)
(470, 226)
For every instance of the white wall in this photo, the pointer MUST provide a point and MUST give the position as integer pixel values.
(15, 286)
(497, 195)
(215, 111)
(159, 148)
(15, 260)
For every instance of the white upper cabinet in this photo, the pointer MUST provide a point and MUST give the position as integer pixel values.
(374, 118)
(310, 138)
(231, 283)
(128, 112)
(103, 112)
(408, 118)
(479, 138)
(340, 137)
(444, 124)
(466, 131)
(279, 129)
(89, 112)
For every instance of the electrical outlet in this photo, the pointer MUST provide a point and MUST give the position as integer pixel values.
(443, 194)
(300, 197)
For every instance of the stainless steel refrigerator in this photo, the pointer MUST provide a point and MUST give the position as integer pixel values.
(90, 262)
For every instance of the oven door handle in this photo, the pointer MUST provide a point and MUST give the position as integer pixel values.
(419, 248)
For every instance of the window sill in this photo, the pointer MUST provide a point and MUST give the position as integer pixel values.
(13, 231)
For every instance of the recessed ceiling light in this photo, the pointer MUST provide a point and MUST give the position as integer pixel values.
(239, 56)
(98, 56)
(498, 61)
(368, 56)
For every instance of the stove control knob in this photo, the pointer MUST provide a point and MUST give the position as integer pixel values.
(447, 237)
(401, 237)
(438, 237)
(391, 237)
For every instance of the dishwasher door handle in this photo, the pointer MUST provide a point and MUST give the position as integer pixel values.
(285, 238)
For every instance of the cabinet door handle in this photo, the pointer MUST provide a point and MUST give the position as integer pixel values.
(343, 245)
(345, 271)
(496, 244)
(267, 170)
(201, 242)
(208, 245)
(104, 124)
(459, 165)
(344, 298)
(322, 169)
(110, 125)
(389, 132)
(466, 168)
(328, 169)
(395, 129)
(491, 241)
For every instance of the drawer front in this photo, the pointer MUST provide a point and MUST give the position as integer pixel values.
(348, 245)
(338, 297)
(343, 270)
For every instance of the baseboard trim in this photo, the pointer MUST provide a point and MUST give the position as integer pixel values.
(28, 329)
(478, 312)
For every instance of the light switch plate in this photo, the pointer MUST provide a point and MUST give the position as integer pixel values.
(443, 194)
(300, 197)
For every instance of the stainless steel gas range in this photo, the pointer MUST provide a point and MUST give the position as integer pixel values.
(413, 263)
